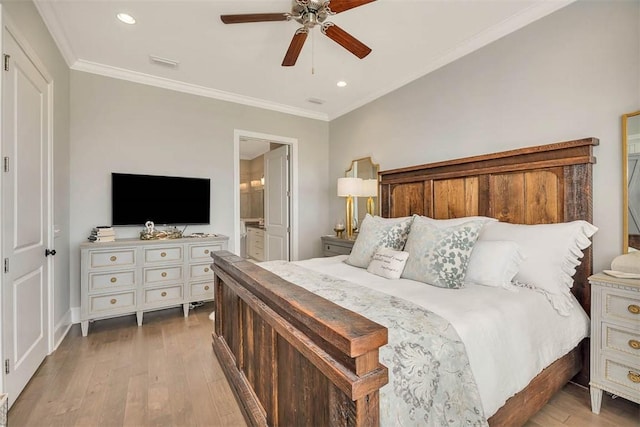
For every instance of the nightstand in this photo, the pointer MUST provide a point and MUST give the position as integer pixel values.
(332, 246)
(615, 338)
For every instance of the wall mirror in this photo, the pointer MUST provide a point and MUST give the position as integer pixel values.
(364, 168)
(631, 181)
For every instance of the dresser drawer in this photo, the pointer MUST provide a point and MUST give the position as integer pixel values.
(115, 258)
(101, 282)
(201, 271)
(621, 340)
(100, 304)
(164, 254)
(162, 295)
(153, 276)
(201, 290)
(622, 374)
(331, 249)
(203, 252)
(620, 306)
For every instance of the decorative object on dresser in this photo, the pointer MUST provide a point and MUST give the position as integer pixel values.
(102, 233)
(615, 338)
(133, 276)
(349, 187)
(150, 232)
(332, 246)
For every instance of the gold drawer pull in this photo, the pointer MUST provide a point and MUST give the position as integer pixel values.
(206, 269)
(206, 251)
(113, 301)
(634, 344)
(163, 254)
(634, 309)
(164, 294)
(164, 274)
(206, 288)
(113, 258)
(634, 376)
(114, 280)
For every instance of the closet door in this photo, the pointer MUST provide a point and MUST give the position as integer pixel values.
(25, 216)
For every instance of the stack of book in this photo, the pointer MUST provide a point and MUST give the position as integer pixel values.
(102, 233)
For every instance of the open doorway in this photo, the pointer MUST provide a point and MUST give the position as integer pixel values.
(265, 196)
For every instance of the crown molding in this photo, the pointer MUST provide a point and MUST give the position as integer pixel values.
(52, 23)
(509, 25)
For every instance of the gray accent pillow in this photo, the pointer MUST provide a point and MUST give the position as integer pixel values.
(377, 232)
(440, 256)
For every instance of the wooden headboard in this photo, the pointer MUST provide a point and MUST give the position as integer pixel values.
(536, 185)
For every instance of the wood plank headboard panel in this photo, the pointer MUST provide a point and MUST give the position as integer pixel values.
(535, 185)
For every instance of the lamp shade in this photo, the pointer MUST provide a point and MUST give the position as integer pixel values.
(349, 187)
(369, 188)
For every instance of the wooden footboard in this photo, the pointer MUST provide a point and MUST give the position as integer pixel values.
(292, 357)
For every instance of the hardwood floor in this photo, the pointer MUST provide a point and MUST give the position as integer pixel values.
(165, 374)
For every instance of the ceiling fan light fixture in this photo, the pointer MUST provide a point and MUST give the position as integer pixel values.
(341, 83)
(126, 18)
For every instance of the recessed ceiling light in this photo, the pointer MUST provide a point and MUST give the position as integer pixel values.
(342, 83)
(126, 18)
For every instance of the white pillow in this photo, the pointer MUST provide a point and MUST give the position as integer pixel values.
(494, 263)
(552, 253)
(376, 232)
(388, 263)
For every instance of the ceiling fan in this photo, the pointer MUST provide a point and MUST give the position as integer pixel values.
(310, 13)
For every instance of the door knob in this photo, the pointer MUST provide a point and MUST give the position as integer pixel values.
(48, 252)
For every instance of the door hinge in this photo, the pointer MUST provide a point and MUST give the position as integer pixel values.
(6, 366)
(6, 265)
(6, 164)
(6, 62)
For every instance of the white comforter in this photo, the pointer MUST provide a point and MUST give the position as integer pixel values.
(509, 336)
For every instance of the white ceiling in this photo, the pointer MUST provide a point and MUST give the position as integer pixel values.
(241, 62)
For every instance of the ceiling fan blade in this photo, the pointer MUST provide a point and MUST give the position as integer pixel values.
(254, 17)
(295, 47)
(337, 6)
(345, 40)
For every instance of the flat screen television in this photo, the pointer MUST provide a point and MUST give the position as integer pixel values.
(173, 200)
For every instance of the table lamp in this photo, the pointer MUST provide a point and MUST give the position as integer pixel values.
(349, 187)
(370, 190)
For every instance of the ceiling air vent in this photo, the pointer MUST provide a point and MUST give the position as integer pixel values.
(170, 63)
(316, 101)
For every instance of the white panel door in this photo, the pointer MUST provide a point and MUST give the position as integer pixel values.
(276, 209)
(25, 217)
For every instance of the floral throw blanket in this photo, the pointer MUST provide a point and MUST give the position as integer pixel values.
(430, 380)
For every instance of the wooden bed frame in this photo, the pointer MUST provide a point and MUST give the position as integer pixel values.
(294, 358)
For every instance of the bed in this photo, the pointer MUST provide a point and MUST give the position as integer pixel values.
(295, 358)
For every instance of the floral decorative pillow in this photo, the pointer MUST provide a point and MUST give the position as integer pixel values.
(439, 256)
(376, 232)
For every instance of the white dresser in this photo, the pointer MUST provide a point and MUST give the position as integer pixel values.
(615, 338)
(255, 243)
(133, 276)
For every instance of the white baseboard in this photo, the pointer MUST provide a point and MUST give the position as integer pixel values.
(75, 314)
(61, 329)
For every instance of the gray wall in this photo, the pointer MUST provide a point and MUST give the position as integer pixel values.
(26, 19)
(119, 126)
(569, 75)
